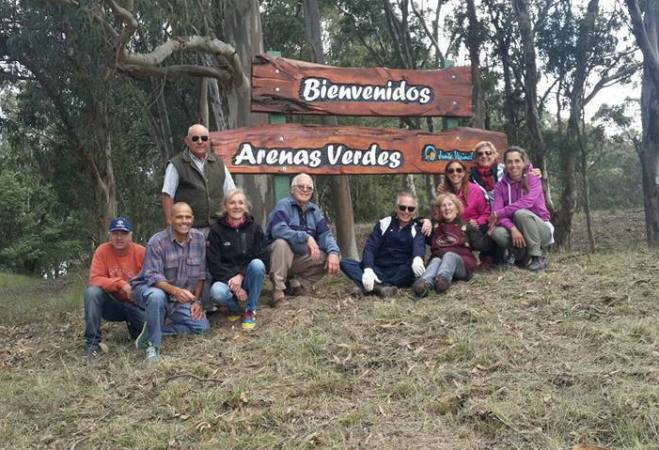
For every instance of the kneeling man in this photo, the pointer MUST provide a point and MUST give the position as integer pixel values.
(393, 253)
(109, 294)
(171, 282)
(302, 245)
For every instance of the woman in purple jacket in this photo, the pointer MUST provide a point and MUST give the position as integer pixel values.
(520, 220)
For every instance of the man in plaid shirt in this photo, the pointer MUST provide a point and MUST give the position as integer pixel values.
(170, 284)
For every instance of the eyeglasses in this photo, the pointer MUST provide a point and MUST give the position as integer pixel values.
(196, 138)
(304, 188)
(486, 153)
(455, 170)
(404, 208)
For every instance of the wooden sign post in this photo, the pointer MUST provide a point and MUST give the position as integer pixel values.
(285, 86)
(295, 87)
(315, 149)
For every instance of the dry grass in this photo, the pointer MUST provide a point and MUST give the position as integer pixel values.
(509, 360)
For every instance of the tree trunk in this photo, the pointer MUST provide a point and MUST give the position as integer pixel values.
(474, 44)
(101, 172)
(527, 38)
(203, 102)
(242, 27)
(342, 202)
(645, 30)
(568, 155)
(586, 197)
(649, 154)
(408, 184)
(537, 148)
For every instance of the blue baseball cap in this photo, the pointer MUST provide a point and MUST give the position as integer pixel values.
(121, 224)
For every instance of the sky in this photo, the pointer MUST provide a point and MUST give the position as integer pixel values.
(611, 95)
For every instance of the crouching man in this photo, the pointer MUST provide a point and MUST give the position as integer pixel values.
(171, 282)
(302, 245)
(393, 253)
(109, 294)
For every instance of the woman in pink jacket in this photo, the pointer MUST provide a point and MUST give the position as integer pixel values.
(520, 220)
(456, 181)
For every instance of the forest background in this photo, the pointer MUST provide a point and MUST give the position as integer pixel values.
(97, 96)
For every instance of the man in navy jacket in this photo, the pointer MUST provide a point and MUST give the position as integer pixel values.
(393, 253)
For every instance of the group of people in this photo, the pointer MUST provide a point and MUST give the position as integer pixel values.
(202, 261)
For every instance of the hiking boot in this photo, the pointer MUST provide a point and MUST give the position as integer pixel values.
(384, 291)
(441, 284)
(295, 289)
(278, 299)
(537, 264)
(249, 320)
(142, 340)
(486, 263)
(92, 353)
(509, 260)
(421, 288)
(356, 292)
(152, 355)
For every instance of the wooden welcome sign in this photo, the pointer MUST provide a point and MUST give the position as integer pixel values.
(322, 150)
(287, 86)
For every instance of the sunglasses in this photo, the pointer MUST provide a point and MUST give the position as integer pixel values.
(404, 208)
(455, 170)
(488, 153)
(196, 138)
(304, 188)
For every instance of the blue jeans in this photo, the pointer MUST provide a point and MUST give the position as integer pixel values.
(253, 283)
(101, 305)
(159, 308)
(449, 267)
(399, 276)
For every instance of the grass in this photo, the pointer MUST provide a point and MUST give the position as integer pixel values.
(508, 360)
(26, 300)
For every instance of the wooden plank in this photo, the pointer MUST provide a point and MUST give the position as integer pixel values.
(289, 86)
(294, 148)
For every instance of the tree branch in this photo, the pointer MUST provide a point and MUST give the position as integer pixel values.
(176, 71)
(150, 62)
(610, 80)
(429, 33)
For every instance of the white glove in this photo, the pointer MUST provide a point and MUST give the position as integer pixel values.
(417, 266)
(369, 278)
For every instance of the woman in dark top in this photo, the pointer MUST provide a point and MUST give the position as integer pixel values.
(450, 248)
(236, 257)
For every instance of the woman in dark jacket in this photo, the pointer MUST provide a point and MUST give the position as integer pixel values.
(236, 257)
(450, 247)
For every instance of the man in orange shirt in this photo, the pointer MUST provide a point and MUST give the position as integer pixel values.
(109, 294)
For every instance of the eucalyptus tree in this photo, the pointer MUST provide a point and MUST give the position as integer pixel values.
(645, 26)
(582, 52)
(105, 66)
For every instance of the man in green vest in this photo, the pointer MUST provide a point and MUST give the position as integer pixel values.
(197, 177)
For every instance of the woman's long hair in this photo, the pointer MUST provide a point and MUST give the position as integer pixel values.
(447, 187)
(437, 207)
(525, 158)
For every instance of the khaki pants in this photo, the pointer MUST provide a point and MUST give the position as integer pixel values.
(537, 234)
(284, 264)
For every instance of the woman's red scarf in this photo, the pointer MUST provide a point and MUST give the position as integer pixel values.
(486, 175)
